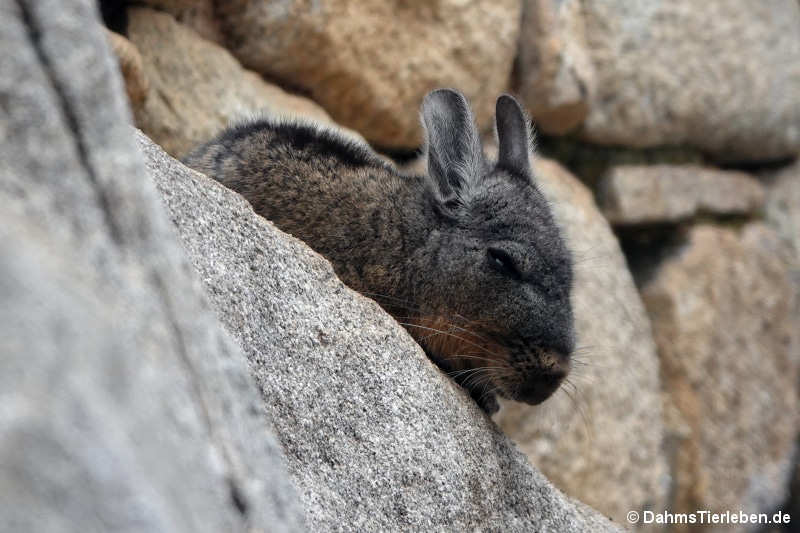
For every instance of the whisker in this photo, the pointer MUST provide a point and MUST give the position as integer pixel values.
(584, 348)
(477, 378)
(459, 373)
(590, 260)
(468, 356)
(406, 304)
(409, 324)
(574, 396)
(389, 297)
(475, 372)
(449, 323)
(580, 375)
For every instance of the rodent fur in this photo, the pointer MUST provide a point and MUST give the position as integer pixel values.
(468, 257)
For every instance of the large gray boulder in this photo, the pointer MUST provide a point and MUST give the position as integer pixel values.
(669, 194)
(783, 209)
(720, 75)
(376, 437)
(722, 307)
(124, 406)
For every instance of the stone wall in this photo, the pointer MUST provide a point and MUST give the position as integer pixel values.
(669, 133)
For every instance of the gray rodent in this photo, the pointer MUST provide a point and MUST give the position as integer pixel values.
(468, 257)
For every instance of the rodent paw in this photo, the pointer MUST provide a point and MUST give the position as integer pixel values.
(487, 402)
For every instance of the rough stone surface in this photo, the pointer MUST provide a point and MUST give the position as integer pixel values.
(721, 75)
(124, 406)
(721, 308)
(783, 214)
(376, 437)
(370, 63)
(599, 438)
(554, 75)
(657, 194)
(783, 210)
(792, 505)
(590, 162)
(197, 87)
(130, 65)
(197, 14)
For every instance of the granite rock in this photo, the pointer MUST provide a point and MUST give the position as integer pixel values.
(783, 209)
(376, 437)
(722, 311)
(667, 194)
(554, 75)
(197, 87)
(369, 64)
(720, 75)
(123, 403)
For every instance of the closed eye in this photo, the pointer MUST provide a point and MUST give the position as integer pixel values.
(502, 262)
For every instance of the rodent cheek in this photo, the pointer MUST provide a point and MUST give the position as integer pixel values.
(457, 341)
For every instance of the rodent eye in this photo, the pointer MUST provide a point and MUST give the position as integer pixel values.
(503, 263)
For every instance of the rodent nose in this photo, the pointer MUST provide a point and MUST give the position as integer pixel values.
(560, 346)
(539, 387)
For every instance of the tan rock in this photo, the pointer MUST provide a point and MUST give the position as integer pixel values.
(196, 14)
(721, 311)
(793, 503)
(369, 63)
(197, 88)
(130, 65)
(599, 438)
(554, 73)
(721, 75)
(783, 214)
(651, 194)
(783, 209)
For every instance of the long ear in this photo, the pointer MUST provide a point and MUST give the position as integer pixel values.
(513, 136)
(453, 146)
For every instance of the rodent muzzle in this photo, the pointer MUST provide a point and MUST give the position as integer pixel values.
(490, 362)
(538, 375)
(537, 389)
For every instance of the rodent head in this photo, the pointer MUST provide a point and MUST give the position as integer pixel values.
(497, 310)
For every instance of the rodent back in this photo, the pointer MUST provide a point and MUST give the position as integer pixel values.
(332, 192)
(470, 247)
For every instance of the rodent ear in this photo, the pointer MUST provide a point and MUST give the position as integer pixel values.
(513, 136)
(452, 143)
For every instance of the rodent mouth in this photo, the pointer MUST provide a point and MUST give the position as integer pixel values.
(486, 363)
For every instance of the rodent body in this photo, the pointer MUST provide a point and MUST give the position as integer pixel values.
(467, 257)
